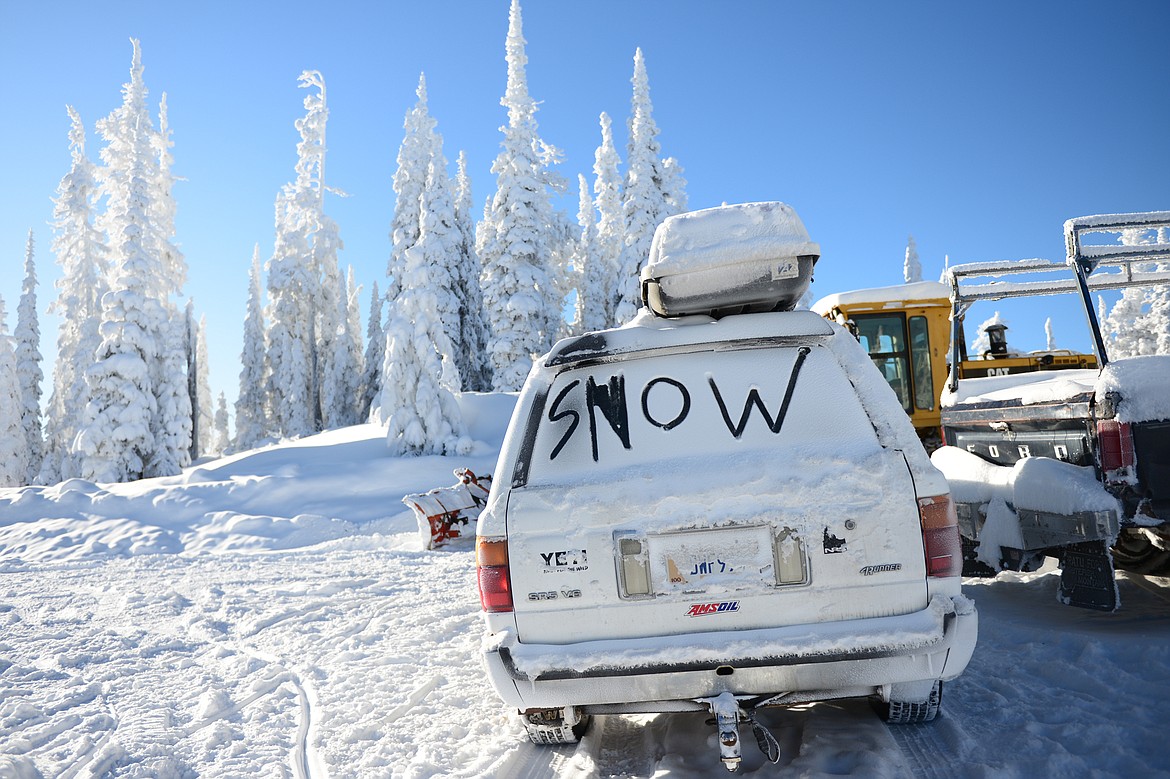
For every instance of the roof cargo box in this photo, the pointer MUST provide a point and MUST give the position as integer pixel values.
(729, 260)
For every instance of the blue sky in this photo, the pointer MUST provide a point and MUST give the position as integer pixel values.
(977, 127)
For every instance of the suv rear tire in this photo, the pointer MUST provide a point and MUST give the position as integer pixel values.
(555, 726)
(911, 712)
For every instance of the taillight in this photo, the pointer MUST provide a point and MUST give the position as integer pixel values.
(1115, 440)
(940, 536)
(491, 567)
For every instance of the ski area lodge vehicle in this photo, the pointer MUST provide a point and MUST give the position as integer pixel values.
(718, 507)
(1076, 464)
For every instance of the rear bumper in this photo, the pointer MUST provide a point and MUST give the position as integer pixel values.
(811, 662)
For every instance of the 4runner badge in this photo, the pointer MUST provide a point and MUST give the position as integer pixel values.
(870, 570)
(703, 609)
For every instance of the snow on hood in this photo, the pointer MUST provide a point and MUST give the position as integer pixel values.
(896, 295)
(1027, 388)
(1143, 384)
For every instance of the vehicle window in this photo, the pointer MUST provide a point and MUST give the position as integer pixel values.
(650, 411)
(920, 358)
(883, 336)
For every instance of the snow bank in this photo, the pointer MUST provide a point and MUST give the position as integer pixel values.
(1143, 384)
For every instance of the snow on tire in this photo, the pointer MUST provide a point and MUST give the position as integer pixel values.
(554, 726)
(911, 712)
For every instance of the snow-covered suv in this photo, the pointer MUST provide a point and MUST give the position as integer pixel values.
(717, 513)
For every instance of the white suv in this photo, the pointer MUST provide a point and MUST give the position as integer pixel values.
(693, 512)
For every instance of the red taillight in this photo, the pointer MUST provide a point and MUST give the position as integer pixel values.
(491, 567)
(940, 536)
(1115, 440)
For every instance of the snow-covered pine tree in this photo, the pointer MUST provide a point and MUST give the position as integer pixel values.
(336, 368)
(294, 278)
(28, 365)
(371, 383)
(421, 413)
(251, 417)
(199, 385)
(220, 437)
(1158, 316)
(515, 247)
(414, 155)
(81, 257)
(471, 351)
(119, 440)
(1049, 338)
(1126, 330)
(13, 447)
(611, 227)
(339, 386)
(674, 186)
(590, 307)
(645, 204)
(911, 268)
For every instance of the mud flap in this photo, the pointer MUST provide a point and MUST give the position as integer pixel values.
(1086, 577)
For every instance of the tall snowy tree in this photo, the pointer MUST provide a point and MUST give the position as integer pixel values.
(28, 365)
(414, 155)
(339, 386)
(220, 436)
(371, 383)
(1127, 330)
(590, 306)
(198, 384)
(127, 432)
(611, 228)
(419, 374)
(674, 186)
(471, 346)
(81, 256)
(251, 417)
(645, 204)
(516, 251)
(13, 447)
(1049, 338)
(911, 268)
(304, 236)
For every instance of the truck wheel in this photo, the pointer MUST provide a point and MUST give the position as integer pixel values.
(898, 712)
(1135, 551)
(555, 726)
(972, 565)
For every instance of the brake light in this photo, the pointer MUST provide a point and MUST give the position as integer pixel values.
(491, 568)
(940, 536)
(1115, 440)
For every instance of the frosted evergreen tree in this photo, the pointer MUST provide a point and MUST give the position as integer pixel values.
(471, 351)
(911, 268)
(611, 226)
(674, 186)
(127, 433)
(371, 383)
(414, 155)
(515, 247)
(1127, 330)
(982, 343)
(81, 256)
(418, 375)
(251, 418)
(336, 368)
(199, 385)
(13, 446)
(645, 203)
(1049, 338)
(590, 307)
(220, 436)
(339, 387)
(1158, 316)
(304, 236)
(28, 365)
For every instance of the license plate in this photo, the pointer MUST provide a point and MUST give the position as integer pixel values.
(721, 559)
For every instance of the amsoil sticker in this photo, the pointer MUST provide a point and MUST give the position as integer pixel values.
(703, 609)
(566, 560)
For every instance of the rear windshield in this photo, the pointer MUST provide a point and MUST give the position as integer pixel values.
(655, 409)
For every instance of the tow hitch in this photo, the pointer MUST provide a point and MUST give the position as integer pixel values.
(728, 715)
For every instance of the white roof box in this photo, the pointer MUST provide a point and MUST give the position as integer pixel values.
(729, 260)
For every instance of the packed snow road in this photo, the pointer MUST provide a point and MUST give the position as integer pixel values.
(347, 661)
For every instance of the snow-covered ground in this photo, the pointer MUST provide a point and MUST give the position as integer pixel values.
(273, 614)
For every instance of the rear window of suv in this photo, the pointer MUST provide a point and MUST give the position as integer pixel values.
(642, 410)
